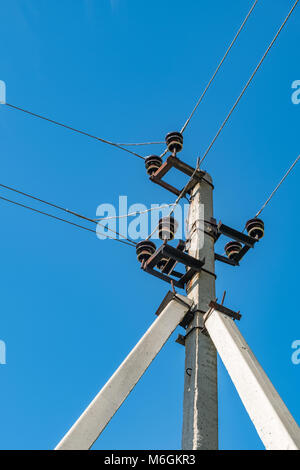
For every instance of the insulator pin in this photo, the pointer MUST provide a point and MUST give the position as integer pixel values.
(145, 250)
(167, 228)
(174, 141)
(232, 249)
(255, 228)
(153, 163)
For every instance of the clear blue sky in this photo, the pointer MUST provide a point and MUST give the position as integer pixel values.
(72, 306)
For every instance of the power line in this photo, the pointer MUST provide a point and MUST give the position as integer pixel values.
(59, 218)
(139, 144)
(75, 130)
(219, 66)
(274, 191)
(136, 213)
(64, 210)
(248, 83)
(278, 186)
(216, 71)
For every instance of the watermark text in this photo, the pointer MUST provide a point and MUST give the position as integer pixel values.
(2, 92)
(296, 93)
(2, 353)
(296, 353)
(138, 221)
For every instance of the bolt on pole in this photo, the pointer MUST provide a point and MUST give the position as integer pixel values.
(200, 407)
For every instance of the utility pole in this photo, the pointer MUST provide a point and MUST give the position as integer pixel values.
(200, 407)
(209, 326)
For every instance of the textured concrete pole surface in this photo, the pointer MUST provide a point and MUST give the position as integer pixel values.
(200, 407)
(271, 418)
(95, 418)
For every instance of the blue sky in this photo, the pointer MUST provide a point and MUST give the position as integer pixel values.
(72, 306)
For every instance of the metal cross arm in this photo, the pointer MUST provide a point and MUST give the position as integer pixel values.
(172, 257)
(271, 418)
(174, 162)
(243, 243)
(98, 414)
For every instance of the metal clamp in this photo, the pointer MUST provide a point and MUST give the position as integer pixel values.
(213, 306)
(173, 296)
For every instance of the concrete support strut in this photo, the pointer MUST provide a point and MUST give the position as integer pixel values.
(95, 418)
(271, 418)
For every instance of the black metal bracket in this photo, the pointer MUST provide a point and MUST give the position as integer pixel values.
(170, 296)
(226, 260)
(174, 256)
(180, 340)
(227, 311)
(174, 162)
(213, 306)
(240, 237)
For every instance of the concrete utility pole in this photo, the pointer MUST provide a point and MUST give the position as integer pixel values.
(200, 408)
(275, 425)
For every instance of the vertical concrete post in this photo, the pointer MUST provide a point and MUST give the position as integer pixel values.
(200, 408)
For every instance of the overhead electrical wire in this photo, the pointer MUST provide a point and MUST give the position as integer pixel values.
(123, 146)
(216, 71)
(275, 190)
(75, 130)
(219, 66)
(65, 210)
(277, 187)
(249, 82)
(139, 144)
(60, 219)
(132, 214)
